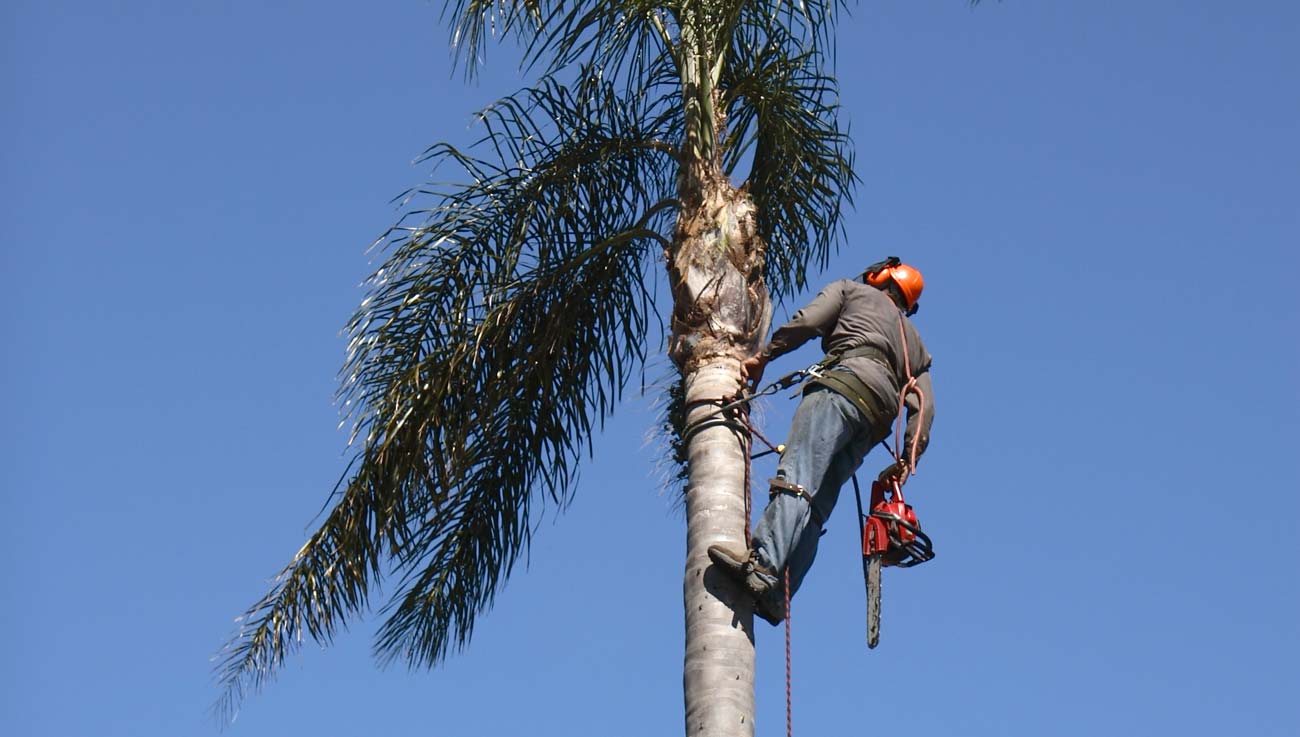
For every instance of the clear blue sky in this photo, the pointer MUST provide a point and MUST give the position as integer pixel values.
(1104, 198)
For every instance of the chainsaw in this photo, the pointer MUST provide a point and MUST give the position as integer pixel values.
(891, 536)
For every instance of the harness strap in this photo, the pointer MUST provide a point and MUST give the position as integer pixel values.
(778, 485)
(849, 386)
(865, 351)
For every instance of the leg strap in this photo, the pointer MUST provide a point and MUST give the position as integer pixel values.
(779, 485)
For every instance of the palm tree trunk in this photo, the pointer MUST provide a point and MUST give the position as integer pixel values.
(718, 679)
(721, 313)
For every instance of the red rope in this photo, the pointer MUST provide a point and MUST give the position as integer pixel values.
(747, 441)
(909, 388)
(768, 443)
(789, 701)
(748, 444)
(748, 448)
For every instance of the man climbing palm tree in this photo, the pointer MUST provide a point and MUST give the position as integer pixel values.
(700, 140)
(877, 358)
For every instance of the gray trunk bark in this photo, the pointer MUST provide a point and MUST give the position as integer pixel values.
(718, 680)
(721, 315)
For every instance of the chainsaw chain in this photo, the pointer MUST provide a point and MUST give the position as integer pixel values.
(873, 600)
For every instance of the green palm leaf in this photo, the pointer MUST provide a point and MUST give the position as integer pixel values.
(473, 22)
(784, 116)
(498, 333)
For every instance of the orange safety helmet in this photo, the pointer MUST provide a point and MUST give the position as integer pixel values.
(907, 278)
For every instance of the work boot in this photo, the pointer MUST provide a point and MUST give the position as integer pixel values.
(771, 606)
(754, 577)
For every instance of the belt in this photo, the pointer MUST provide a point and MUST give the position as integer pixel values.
(866, 351)
(846, 384)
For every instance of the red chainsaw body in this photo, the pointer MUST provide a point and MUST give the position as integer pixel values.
(891, 529)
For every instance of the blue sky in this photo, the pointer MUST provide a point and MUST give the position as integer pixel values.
(1103, 198)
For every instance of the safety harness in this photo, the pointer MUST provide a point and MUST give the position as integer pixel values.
(847, 384)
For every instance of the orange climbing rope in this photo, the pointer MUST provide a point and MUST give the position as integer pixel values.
(908, 468)
(789, 699)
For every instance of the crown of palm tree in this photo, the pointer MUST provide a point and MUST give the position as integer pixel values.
(512, 306)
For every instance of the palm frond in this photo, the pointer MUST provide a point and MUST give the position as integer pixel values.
(474, 22)
(554, 350)
(784, 114)
(814, 20)
(328, 579)
(622, 38)
(497, 335)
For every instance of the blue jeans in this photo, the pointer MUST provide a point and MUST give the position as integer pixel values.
(828, 440)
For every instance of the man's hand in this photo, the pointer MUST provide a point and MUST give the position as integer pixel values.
(893, 471)
(752, 370)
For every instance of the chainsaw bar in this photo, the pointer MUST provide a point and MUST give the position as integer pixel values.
(871, 567)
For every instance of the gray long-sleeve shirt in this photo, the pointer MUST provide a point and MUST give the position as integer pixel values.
(848, 314)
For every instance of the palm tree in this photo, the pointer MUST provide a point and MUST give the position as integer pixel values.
(511, 310)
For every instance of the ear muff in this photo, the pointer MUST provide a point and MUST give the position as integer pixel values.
(872, 273)
(907, 278)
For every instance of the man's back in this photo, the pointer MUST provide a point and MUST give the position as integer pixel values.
(849, 314)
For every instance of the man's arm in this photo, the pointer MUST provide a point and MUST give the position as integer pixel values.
(917, 421)
(815, 319)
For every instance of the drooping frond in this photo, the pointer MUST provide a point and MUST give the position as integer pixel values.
(474, 22)
(610, 35)
(606, 34)
(498, 333)
(329, 578)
